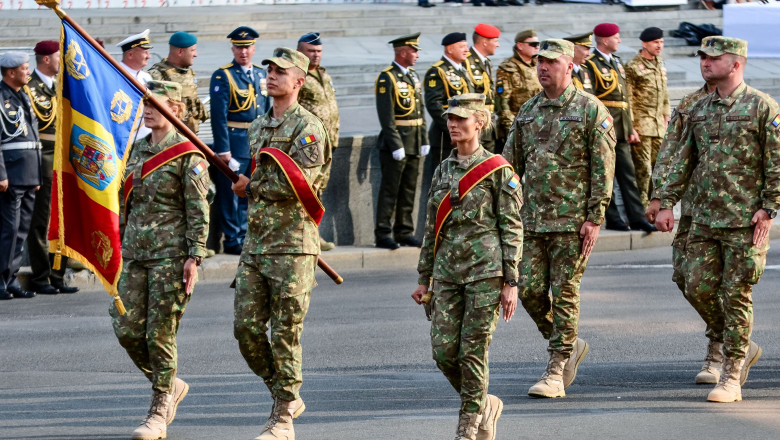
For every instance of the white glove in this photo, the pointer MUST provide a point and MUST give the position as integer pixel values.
(234, 165)
(424, 150)
(399, 154)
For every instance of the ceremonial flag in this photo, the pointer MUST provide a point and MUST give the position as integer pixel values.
(96, 125)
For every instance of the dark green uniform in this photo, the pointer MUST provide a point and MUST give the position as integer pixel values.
(442, 82)
(481, 75)
(581, 79)
(399, 105)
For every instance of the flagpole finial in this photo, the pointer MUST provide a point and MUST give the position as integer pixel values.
(54, 5)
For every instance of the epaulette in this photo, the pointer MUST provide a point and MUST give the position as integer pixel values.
(590, 56)
(438, 63)
(227, 66)
(387, 69)
(508, 66)
(258, 66)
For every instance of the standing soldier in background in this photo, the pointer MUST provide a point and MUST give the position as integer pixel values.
(579, 74)
(319, 97)
(276, 271)
(731, 155)
(41, 91)
(401, 142)
(516, 81)
(646, 81)
(135, 56)
(480, 71)
(178, 68)
(238, 97)
(609, 85)
(568, 184)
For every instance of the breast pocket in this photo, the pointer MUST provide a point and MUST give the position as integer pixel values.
(479, 201)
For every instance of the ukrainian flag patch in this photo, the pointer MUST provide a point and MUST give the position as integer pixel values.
(308, 140)
(776, 121)
(514, 181)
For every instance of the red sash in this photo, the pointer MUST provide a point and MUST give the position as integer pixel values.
(158, 160)
(303, 190)
(466, 184)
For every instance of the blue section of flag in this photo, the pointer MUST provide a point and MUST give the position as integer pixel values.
(776, 122)
(97, 90)
(604, 124)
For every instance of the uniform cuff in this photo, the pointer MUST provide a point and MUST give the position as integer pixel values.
(424, 279)
(595, 219)
(511, 272)
(197, 251)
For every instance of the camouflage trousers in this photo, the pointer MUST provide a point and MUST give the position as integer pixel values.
(153, 294)
(462, 325)
(644, 154)
(273, 289)
(550, 276)
(722, 265)
(713, 320)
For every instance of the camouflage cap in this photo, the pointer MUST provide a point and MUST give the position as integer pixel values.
(465, 105)
(716, 46)
(554, 47)
(166, 89)
(285, 58)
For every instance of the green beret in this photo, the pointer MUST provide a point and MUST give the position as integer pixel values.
(183, 40)
(553, 48)
(717, 46)
(522, 35)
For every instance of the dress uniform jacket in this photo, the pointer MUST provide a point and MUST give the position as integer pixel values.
(609, 85)
(20, 153)
(481, 75)
(443, 81)
(581, 79)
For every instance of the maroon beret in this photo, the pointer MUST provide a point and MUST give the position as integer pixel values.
(47, 47)
(606, 30)
(487, 31)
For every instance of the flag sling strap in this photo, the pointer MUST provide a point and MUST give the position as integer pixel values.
(173, 152)
(303, 190)
(466, 184)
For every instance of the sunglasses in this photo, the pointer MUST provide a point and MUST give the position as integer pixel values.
(531, 43)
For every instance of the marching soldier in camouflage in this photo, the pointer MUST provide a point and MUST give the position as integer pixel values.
(562, 144)
(480, 71)
(276, 270)
(646, 81)
(401, 142)
(472, 263)
(164, 241)
(178, 68)
(516, 81)
(579, 74)
(731, 154)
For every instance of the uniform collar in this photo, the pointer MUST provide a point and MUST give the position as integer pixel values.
(470, 161)
(727, 101)
(605, 56)
(481, 57)
(404, 70)
(166, 141)
(178, 69)
(559, 101)
(48, 80)
(456, 66)
(275, 122)
(576, 68)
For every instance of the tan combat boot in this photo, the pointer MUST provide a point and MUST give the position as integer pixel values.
(728, 388)
(581, 349)
(710, 371)
(468, 426)
(753, 355)
(551, 383)
(154, 426)
(279, 425)
(180, 389)
(490, 415)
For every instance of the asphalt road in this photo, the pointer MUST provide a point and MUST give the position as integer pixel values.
(368, 372)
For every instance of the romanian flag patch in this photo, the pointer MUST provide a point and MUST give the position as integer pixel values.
(308, 140)
(514, 181)
(776, 121)
(199, 168)
(607, 123)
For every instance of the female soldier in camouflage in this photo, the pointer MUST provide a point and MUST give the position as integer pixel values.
(166, 225)
(472, 245)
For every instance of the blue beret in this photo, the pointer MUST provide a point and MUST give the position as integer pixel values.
(183, 40)
(455, 37)
(311, 38)
(243, 36)
(13, 59)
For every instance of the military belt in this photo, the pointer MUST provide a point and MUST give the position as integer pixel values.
(29, 145)
(409, 122)
(616, 104)
(236, 124)
(47, 137)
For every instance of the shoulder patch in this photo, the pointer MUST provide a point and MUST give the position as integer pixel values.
(606, 123)
(776, 121)
(200, 169)
(432, 83)
(500, 86)
(306, 140)
(514, 181)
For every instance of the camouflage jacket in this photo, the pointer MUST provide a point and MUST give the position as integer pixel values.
(731, 153)
(443, 81)
(516, 83)
(483, 236)
(319, 97)
(278, 223)
(564, 149)
(169, 211)
(646, 81)
(196, 111)
(399, 106)
(671, 144)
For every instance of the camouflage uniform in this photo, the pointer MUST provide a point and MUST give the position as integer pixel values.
(196, 111)
(728, 143)
(167, 222)
(480, 246)
(516, 83)
(646, 81)
(481, 75)
(564, 149)
(319, 97)
(276, 270)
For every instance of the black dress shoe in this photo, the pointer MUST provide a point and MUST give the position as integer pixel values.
(18, 292)
(387, 243)
(644, 226)
(5, 295)
(617, 226)
(46, 289)
(233, 250)
(426, 5)
(410, 241)
(67, 289)
(514, 3)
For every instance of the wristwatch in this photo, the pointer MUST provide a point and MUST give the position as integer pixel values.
(511, 283)
(771, 212)
(198, 260)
